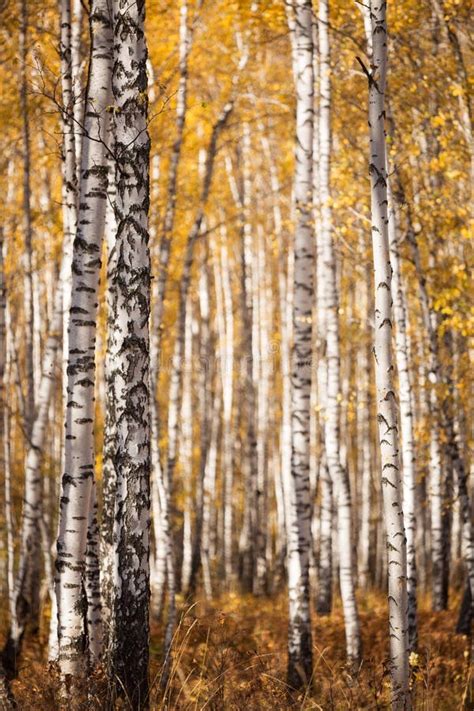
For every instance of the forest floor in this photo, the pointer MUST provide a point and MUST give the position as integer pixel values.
(230, 655)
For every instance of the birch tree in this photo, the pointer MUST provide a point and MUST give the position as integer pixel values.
(406, 416)
(6, 699)
(129, 351)
(77, 481)
(209, 453)
(299, 513)
(186, 458)
(386, 399)
(332, 410)
(226, 356)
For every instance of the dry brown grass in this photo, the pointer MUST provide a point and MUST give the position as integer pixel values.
(230, 655)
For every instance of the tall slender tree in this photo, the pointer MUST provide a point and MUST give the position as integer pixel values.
(386, 398)
(332, 411)
(402, 349)
(299, 513)
(129, 352)
(78, 477)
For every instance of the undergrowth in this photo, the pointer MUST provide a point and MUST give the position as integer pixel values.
(231, 655)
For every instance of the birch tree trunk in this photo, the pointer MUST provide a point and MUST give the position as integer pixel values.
(338, 473)
(6, 699)
(109, 474)
(78, 478)
(129, 346)
(261, 377)
(386, 400)
(159, 563)
(77, 108)
(299, 513)
(406, 417)
(209, 494)
(186, 450)
(226, 333)
(364, 404)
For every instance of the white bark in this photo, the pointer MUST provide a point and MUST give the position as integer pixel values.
(129, 353)
(261, 361)
(109, 476)
(76, 15)
(386, 400)
(402, 350)
(209, 455)
(186, 449)
(225, 325)
(159, 563)
(299, 513)
(5, 461)
(5, 455)
(332, 411)
(79, 441)
(364, 406)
